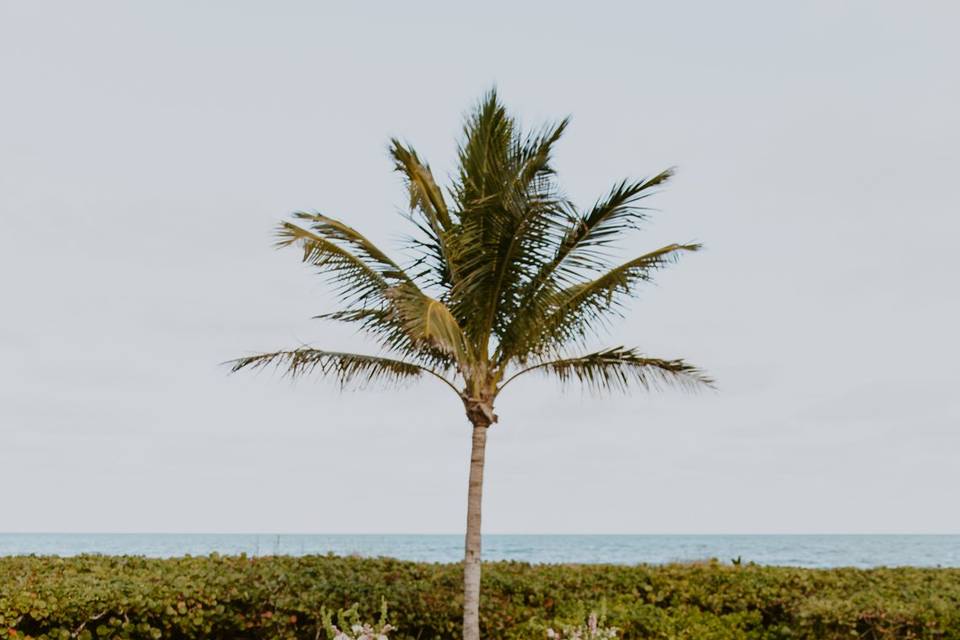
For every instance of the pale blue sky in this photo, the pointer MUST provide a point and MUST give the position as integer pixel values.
(149, 148)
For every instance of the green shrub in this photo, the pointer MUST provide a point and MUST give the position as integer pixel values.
(97, 597)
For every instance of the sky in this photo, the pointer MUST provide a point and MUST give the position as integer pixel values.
(148, 150)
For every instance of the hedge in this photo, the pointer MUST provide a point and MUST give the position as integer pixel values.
(100, 597)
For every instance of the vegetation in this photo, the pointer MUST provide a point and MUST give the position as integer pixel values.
(283, 597)
(509, 277)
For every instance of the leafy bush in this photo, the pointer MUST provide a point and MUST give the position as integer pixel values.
(97, 597)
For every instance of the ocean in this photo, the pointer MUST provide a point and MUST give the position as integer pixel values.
(789, 550)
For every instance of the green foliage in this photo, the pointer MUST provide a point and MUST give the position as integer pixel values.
(95, 598)
(348, 624)
(505, 274)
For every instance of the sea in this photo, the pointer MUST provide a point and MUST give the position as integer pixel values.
(785, 550)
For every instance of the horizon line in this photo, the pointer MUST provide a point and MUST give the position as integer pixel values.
(460, 534)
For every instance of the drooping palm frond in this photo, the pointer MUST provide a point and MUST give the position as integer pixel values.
(337, 231)
(345, 368)
(619, 368)
(428, 323)
(371, 285)
(386, 326)
(356, 282)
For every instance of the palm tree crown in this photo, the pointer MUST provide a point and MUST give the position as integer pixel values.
(510, 277)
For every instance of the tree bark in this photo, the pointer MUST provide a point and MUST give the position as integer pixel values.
(471, 557)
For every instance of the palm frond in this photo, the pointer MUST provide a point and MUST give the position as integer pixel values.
(583, 237)
(510, 218)
(609, 218)
(345, 368)
(528, 233)
(385, 325)
(619, 368)
(425, 195)
(483, 154)
(332, 229)
(558, 317)
(371, 288)
(428, 322)
(429, 213)
(356, 281)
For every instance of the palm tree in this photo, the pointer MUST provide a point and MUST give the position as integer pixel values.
(509, 278)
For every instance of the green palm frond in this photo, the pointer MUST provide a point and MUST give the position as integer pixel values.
(337, 231)
(556, 318)
(536, 212)
(511, 215)
(620, 368)
(356, 281)
(375, 278)
(483, 155)
(345, 368)
(428, 322)
(425, 195)
(386, 327)
(428, 212)
(606, 222)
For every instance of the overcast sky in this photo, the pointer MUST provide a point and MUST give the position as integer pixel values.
(148, 150)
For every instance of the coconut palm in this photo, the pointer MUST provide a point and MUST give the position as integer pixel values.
(508, 278)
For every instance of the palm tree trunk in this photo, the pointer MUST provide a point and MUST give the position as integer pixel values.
(471, 557)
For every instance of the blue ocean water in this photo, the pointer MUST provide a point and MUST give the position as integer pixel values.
(791, 550)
